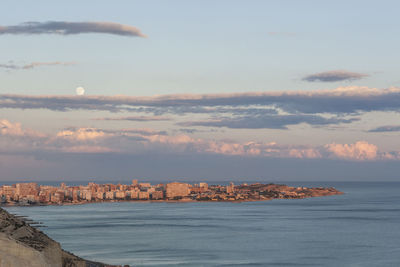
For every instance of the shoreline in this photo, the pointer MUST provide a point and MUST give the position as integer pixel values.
(157, 201)
(32, 194)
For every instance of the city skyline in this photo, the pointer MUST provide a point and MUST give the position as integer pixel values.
(225, 90)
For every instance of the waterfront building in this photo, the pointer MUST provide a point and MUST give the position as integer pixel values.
(144, 185)
(230, 188)
(157, 195)
(120, 195)
(110, 195)
(204, 186)
(144, 195)
(177, 190)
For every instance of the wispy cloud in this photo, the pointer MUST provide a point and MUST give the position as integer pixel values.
(69, 28)
(387, 128)
(139, 131)
(334, 76)
(38, 64)
(267, 121)
(134, 118)
(12, 66)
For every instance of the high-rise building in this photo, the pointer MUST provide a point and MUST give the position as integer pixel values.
(176, 189)
(230, 188)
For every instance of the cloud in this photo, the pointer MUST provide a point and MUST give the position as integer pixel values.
(342, 100)
(12, 129)
(15, 139)
(360, 150)
(9, 66)
(90, 133)
(140, 131)
(135, 118)
(334, 76)
(387, 128)
(12, 66)
(8, 128)
(267, 121)
(304, 153)
(38, 64)
(69, 28)
(81, 134)
(188, 131)
(87, 149)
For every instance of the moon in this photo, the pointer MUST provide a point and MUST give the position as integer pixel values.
(80, 90)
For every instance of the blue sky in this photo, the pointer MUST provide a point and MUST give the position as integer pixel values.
(341, 53)
(204, 46)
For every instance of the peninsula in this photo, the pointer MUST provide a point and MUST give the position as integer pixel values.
(34, 194)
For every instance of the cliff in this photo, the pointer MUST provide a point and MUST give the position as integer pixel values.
(23, 245)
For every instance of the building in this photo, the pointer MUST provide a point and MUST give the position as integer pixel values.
(120, 194)
(110, 195)
(24, 189)
(157, 195)
(144, 185)
(133, 194)
(144, 195)
(100, 195)
(204, 186)
(177, 190)
(230, 188)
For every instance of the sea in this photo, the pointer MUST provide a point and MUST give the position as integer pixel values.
(359, 228)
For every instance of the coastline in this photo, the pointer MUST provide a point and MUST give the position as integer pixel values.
(31, 194)
(154, 201)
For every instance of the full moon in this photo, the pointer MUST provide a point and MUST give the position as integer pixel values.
(80, 91)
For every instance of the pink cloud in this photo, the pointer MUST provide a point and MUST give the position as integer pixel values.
(136, 141)
(81, 134)
(360, 150)
(310, 153)
(86, 149)
(8, 128)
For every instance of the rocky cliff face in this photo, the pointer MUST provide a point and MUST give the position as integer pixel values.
(23, 245)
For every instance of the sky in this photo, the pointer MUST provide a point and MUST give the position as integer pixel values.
(199, 90)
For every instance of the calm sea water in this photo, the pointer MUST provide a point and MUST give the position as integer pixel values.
(360, 228)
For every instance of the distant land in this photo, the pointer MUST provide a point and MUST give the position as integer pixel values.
(34, 194)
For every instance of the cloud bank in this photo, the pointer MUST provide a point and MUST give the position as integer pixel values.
(69, 28)
(342, 100)
(334, 76)
(144, 141)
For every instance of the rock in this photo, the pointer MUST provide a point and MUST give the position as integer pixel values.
(24, 245)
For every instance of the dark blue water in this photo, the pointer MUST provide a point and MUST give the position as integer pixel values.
(360, 228)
